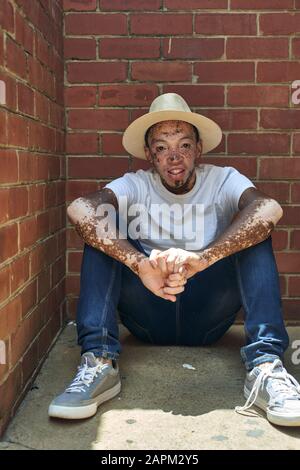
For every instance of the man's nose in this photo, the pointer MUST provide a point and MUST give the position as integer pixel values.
(174, 155)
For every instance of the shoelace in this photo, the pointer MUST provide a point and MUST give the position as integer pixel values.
(286, 385)
(84, 377)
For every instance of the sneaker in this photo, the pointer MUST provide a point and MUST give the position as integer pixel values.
(276, 392)
(94, 384)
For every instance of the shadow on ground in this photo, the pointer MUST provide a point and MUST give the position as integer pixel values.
(162, 405)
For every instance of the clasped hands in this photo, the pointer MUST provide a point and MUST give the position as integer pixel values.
(165, 273)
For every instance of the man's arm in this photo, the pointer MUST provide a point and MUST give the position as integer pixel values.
(258, 216)
(82, 212)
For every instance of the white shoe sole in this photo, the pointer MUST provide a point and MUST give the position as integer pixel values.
(274, 417)
(86, 411)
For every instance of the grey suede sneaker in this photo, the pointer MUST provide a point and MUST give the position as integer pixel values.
(276, 392)
(94, 384)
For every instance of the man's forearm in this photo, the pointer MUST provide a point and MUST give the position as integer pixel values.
(251, 226)
(87, 224)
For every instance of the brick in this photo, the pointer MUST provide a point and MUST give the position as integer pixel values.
(28, 232)
(127, 5)
(24, 33)
(127, 95)
(193, 48)
(73, 239)
(280, 168)
(9, 241)
(19, 272)
(280, 239)
(279, 191)
(93, 167)
(15, 58)
(130, 48)
(10, 85)
(198, 95)
(279, 23)
(36, 197)
(295, 239)
(13, 203)
(3, 127)
(4, 282)
(247, 166)
(7, 16)
(221, 72)
(257, 48)
(225, 24)
(10, 316)
(112, 144)
(17, 130)
(96, 72)
(258, 5)
(196, 4)
(288, 262)
(295, 194)
(10, 390)
(291, 216)
(232, 119)
(80, 96)
(280, 118)
(25, 334)
(1, 49)
(82, 143)
(74, 261)
(296, 47)
(41, 137)
(294, 286)
(95, 23)
(79, 48)
(261, 144)
(104, 119)
(42, 107)
(161, 71)
(9, 166)
(253, 95)
(82, 5)
(44, 283)
(161, 23)
(30, 361)
(291, 310)
(25, 99)
(278, 72)
(72, 285)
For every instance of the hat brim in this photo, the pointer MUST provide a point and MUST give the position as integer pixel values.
(134, 136)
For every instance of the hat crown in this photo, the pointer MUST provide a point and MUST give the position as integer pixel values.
(169, 101)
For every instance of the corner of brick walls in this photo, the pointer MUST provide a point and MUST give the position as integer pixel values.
(32, 192)
(233, 60)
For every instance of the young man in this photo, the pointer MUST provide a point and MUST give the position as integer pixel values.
(178, 272)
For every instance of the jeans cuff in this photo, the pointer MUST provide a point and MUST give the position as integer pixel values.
(104, 354)
(260, 360)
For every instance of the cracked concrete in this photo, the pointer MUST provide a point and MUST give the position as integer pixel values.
(162, 405)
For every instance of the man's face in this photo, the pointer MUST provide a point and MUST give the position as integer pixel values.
(174, 152)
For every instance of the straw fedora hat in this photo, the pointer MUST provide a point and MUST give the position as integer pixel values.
(167, 107)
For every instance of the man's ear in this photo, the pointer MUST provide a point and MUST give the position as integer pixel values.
(148, 154)
(199, 151)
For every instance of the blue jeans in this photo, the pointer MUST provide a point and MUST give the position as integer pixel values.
(200, 316)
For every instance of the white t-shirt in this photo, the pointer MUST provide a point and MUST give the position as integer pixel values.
(189, 221)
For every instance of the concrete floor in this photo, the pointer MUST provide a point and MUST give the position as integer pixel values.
(162, 405)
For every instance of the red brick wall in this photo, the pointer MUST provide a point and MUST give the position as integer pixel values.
(32, 191)
(233, 60)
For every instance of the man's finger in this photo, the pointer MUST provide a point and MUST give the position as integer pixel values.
(173, 290)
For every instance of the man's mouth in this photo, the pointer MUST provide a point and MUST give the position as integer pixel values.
(176, 172)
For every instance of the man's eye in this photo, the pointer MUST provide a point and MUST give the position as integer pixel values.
(160, 148)
(186, 145)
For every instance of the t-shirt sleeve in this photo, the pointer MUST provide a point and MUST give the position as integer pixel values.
(125, 186)
(233, 186)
